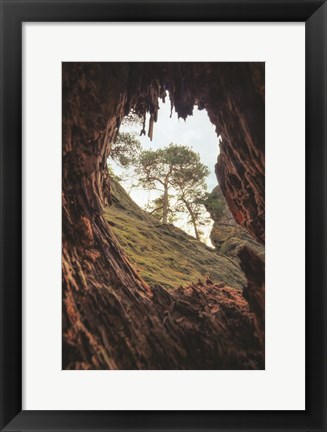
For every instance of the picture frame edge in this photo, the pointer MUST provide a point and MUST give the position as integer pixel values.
(13, 14)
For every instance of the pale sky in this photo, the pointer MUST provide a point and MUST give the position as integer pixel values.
(197, 132)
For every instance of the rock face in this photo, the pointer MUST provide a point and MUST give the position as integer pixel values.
(111, 318)
(241, 164)
(232, 240)
(226, 235)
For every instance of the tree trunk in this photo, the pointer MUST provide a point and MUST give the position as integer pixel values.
(165, 205)
(197, 236)
(193, 219)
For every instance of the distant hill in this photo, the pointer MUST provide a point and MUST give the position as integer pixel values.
(164, 254)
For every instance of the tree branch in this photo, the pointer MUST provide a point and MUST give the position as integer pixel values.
(158, 208)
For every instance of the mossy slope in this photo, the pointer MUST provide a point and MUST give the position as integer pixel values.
(165, 255)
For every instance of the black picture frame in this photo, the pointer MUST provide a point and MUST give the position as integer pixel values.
(13, 14)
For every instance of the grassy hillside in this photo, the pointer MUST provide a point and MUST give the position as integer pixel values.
(165, 255)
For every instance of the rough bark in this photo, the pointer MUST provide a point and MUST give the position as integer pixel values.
(254, 269)
(111, 318)
(241, 163)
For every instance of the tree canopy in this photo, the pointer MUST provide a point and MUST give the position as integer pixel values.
(125, 149)
(174, 170)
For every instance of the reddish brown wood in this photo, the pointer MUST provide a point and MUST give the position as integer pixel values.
(111, 318)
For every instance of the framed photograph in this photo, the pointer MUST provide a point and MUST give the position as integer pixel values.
(163, 207)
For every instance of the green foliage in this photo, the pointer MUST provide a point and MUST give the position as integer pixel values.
(176, 168)
(155, 207)
(216, 205)
(125, 149)
(178, 164)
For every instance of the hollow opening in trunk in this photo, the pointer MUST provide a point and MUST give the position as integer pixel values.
(115, 316)
(166, 213)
